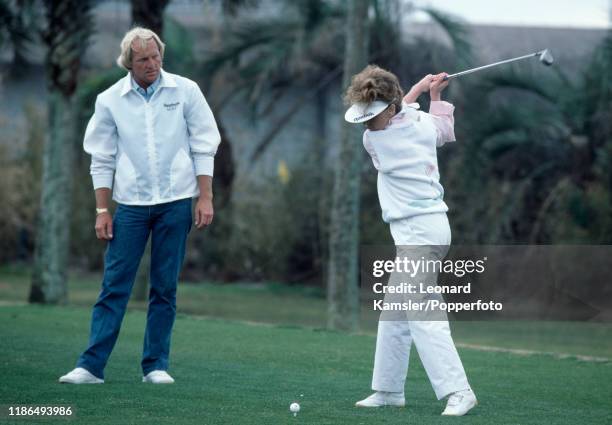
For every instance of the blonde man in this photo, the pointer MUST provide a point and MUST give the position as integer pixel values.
(152, 141)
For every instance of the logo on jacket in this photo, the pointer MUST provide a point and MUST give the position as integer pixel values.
(171, 106)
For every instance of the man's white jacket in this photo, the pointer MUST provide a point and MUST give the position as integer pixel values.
(153, 150)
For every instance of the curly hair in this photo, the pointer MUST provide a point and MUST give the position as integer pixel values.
(374, 83)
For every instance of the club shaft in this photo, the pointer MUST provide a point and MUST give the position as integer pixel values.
(469, 71)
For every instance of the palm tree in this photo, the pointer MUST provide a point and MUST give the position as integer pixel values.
(264, 57)
(149, 14)
(19, 20)
(299, 46)
(342, 278)
(536, 167)
(275, 54)
(540, 160)
(68, 28)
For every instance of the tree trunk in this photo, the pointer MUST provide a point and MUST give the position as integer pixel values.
(149, 14)
(49, 281)
(342, 283)
(323, 196)
(66, 36)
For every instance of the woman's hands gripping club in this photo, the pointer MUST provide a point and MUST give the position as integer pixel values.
(432, 83)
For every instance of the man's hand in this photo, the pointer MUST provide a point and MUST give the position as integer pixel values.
(204, 207)
(104, 221)
(437, 85)
(104, 226)
(203, 212)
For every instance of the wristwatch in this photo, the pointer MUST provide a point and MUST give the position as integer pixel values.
(101, 211)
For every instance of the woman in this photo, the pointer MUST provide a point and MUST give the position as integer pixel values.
(402, 142)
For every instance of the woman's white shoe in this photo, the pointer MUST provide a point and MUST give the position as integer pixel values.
(382, 398)
(460, 403)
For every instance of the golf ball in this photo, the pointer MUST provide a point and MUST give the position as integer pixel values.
(294, 408)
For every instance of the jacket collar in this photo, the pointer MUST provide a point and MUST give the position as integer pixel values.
(409, 112)
(167, 80)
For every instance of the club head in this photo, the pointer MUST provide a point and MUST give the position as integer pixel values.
(546, 57)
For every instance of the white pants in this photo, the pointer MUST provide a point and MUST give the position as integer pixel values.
(432, 338)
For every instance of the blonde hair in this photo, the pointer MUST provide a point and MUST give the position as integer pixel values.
(374, 83)
(143, 35)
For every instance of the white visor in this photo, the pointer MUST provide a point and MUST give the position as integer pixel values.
(362, 112)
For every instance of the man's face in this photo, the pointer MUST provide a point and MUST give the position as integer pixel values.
(146, 63)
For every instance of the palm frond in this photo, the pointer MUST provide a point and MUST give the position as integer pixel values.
(232, 7)
(19, 26)
(456, 31)
(69, 26)
(545, 88)
(6, 21)
(597, 88)
(275, 52)
(247, 36)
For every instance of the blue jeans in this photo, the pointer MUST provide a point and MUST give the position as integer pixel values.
(169, 225)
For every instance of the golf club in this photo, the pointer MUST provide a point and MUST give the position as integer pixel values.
(543, 55)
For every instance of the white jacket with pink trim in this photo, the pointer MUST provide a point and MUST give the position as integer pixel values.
(404, 153)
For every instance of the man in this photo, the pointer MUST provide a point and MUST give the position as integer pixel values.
(153, 133)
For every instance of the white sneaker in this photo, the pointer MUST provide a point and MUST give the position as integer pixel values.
(460, 403)
(80, 376)
(158, 377)
(382, 398)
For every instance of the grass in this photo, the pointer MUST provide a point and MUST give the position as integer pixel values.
(237, 373)
(298, 306)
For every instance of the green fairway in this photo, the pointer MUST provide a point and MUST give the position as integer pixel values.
(236, 373)
(275, 303)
